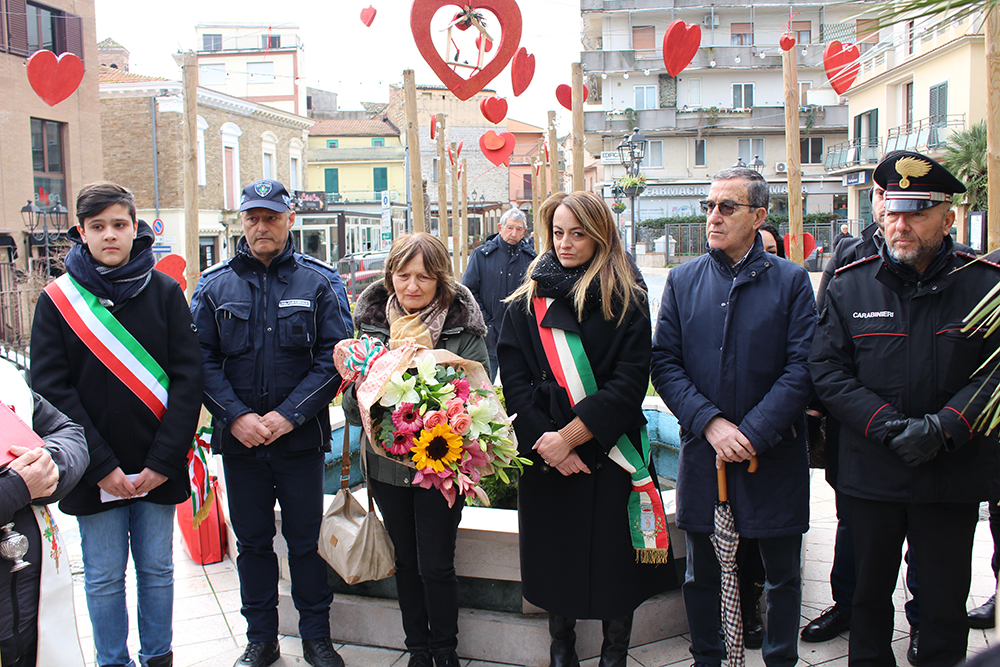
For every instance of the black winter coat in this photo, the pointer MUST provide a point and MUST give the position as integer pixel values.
(736, 344)
(66, 444)
(121, 431)
(496, 269)
(890, 346)
(267, 336)
(577, 558)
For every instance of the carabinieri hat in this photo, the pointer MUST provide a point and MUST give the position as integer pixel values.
(914, 182)
(266, 193)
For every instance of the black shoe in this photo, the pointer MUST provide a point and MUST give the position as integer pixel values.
(985, 616)
(911, 651)
(830, 623)
(320, 653)
(259, 654)
(753, 626)
(445, 658)
(562, 651)
(753, 635)
(420, 659)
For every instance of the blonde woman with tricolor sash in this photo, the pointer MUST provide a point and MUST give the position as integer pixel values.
(574, 357)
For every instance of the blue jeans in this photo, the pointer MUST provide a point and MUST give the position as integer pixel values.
(782, 593)
(295, 479)
(106, 537)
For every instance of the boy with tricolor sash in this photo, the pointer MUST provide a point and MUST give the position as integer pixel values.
(114, 347)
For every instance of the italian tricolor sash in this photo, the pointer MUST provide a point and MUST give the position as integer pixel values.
(111, 342)
(572, 370)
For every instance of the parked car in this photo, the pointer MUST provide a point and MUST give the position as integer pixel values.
(359, 270)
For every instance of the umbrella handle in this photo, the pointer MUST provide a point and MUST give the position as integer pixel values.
(721, 473)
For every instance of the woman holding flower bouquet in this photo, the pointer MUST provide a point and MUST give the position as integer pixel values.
(574, 356)
(420, 299)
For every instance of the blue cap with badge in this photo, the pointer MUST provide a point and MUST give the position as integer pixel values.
(266, 193)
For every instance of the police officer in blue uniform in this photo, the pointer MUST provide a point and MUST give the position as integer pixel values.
(268, 320)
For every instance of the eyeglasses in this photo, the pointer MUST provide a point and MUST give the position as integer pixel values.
(726, 208)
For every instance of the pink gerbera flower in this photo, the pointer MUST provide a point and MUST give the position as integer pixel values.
(405, 418)
(402, 443)
(461, 388)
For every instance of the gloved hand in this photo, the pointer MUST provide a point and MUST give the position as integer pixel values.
(920, 440)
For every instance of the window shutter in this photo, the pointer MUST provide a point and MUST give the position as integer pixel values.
(643, 38)
(74, 35)
(17, 27)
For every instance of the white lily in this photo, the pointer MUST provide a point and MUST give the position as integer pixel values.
(399, 391)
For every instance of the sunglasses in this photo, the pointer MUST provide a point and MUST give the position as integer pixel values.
(726, 208)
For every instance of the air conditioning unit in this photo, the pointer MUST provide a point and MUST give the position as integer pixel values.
(710, 21)
(780, 167)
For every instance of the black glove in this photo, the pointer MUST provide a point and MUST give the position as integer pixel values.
(920, 441)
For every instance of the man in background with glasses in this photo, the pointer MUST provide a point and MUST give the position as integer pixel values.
(730, 359)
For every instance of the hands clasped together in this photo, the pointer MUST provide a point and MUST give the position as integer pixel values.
(252, 430)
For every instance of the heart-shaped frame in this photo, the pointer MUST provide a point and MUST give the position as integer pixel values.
(509, 16)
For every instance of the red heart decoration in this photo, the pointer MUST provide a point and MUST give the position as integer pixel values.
(451, 158)
(786, 42)
(434, 123)
(368, 15)
(509, 17)
(497, 148)
(522, 70)
(564, 94)
(458, 151)
(680, 44)
(54, 79)
(842, 65)
(489, 44)
(494, 109)
(173, 266)
(808, 244)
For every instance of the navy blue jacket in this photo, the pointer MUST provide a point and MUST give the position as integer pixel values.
(496, 269)
(267, 336)
(736, 344)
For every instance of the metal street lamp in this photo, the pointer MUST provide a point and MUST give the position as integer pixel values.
(57, 215)
(631, 151)
(757, 164)
(740, 163)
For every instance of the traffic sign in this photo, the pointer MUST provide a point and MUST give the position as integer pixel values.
(386, 201)
(160, 248)
(157, 226)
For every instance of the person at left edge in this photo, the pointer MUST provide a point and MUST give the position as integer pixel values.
(268, 320)
(138, 448)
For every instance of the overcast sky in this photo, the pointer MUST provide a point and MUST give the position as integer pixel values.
(341, 54)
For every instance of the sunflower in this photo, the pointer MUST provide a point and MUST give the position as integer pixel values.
(437, 448)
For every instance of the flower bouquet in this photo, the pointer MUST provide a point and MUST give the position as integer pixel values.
(432, 411)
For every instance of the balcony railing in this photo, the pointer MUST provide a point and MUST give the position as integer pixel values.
(855, 152)
(924, 135)
(358, 196)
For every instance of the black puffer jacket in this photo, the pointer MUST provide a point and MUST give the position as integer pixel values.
(66, 444)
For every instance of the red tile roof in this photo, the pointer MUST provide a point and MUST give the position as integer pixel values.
(354, 128)
(114, 75)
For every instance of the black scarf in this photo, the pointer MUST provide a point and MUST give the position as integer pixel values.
(113, 287)
(557, 282)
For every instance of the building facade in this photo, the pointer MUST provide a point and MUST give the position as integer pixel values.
(47, 153)
(919, 84)
(726, 106)
(238, 142)
(258, 63)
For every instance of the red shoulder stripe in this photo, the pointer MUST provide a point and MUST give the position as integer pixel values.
(856, 263)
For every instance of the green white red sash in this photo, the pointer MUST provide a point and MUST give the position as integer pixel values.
(111, 342)
(202, 495)
(572, 370)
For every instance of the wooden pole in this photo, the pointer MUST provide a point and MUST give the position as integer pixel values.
(190, 174)
(792, 155)
(456, 231)
(464, 208)
(993, 126)
(554, 183)
(577, 127)
(534, 197)
(413, 149)
(442, 181)
(542, 172)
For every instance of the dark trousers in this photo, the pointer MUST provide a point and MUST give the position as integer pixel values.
(423, 530)
(842, 575)
(782, 593)
(940, 537)
(253, 484)
(995, 532)
(27, 655)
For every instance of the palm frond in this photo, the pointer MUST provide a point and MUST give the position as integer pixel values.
(944, 10)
